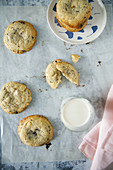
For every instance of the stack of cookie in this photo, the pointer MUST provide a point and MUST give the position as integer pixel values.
(73, 14)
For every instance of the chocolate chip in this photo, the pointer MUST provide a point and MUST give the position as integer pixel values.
(23, 51)
(16, 112)
(13, 22)
(34, 133)
(48, 145)
(32, 37)
(22, 22)
(37, 129)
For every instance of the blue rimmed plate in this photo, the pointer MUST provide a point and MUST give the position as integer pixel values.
(93, 29)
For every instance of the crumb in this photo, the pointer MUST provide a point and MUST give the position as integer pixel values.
(68, 48)
(44, 77)
(40, 90)
(48, 145)
(82, 50)
(64, 43)
(46, 89)
(34, 76)
(99, 63)
(26, 76)
(75, 58)
(69, 87)
(80, 85)
(72, 45)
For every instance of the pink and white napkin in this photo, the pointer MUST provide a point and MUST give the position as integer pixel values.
(97, 145)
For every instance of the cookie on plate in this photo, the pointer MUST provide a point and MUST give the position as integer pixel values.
(53, 75)
(67, 27)
(20, 36)
(73, 15)
(68, 71)
(14, 97)
(35, 130)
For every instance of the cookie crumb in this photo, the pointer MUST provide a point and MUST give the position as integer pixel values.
(26, 76)
(48, 145)
(72, 45)
(68, 48)
(99, 63)
(75, 58)
(80, 85)
(69, 87)
(64, 43)
(44, 77)
(40, 90)
(82, 50)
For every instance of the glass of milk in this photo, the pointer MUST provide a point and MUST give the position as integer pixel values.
(77, 114)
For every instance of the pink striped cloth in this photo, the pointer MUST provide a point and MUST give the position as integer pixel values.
(97, 145)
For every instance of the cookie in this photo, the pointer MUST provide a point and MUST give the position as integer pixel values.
(20, 37)
(74, 13)
(75, 58)
(68, 71)
(14, 97)
(68, 27)
(53, 75)
(35, 130)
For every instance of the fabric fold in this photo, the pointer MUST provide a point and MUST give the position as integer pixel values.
(97, 145)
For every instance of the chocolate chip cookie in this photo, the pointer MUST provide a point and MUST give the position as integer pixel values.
(35, 130)
(73, 15)
(14, 97)
(20, 37)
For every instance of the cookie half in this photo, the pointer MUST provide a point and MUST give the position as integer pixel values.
(53, 75)
(14, 97)
(68, 71)
(35, 130)
(20, 36)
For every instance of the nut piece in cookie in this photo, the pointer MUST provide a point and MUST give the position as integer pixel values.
(53, 75)
(68, 71)
(14, 97)
(35, 130)
(75, 58)
(20, 37)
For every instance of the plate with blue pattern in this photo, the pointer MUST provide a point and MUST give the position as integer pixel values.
(93, 29)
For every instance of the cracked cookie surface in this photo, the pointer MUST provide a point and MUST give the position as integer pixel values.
(53, 75)
(68, 71)
(14, 97)
(20, 36)
(35, 130)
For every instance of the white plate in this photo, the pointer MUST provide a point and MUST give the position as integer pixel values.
(93, 29)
